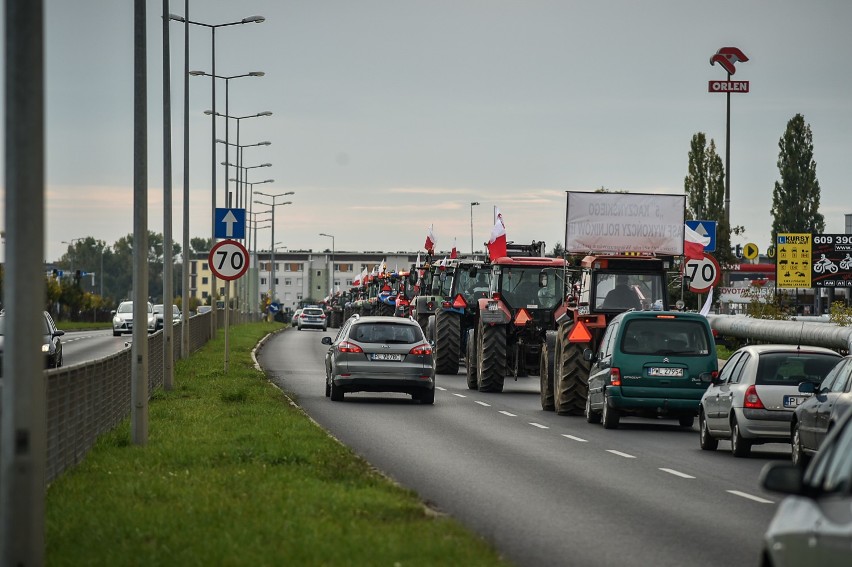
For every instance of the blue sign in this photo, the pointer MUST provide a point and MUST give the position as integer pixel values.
(705, 228)
(274, 307)
(230, 223)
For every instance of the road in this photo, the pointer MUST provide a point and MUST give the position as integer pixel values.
(545, 489)
(83, 346)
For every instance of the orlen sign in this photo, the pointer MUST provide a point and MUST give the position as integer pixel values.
(727, 86)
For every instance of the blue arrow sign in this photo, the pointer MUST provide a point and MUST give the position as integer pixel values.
(230, 223)
(705, 228)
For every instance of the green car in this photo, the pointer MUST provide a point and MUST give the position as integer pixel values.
(650, 364)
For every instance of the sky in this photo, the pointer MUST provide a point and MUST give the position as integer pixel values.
(389, 116)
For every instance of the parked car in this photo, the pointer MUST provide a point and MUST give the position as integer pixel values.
(159, 314)
(813, 524)
(122, 318)
(51, 341)
(813, 419)
(650, 364)
(312, 318)
(204, 309)
(380, 354)
(752, 400)
(294, 322)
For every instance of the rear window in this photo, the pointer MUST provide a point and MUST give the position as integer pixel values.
(665, 336)
(790, 369)
(386, 333)
(313, 312)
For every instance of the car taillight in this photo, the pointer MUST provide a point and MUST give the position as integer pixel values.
(751, 399)
(322, 316)
(446, 304)
(421, 350)
(615, 377)
(346, 346)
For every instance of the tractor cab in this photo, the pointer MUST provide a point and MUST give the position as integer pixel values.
(614, 284)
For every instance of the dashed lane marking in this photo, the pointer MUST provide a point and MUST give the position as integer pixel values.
(540, 426)
(482, 403)
(460, 395)
(677, 473)
(750, 496)
(575, 438)
(440, 388)
(620, 454)
(508, 413)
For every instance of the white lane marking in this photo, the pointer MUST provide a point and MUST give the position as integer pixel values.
(482, 403)
(620, 454)
(509, 414)
(540, 426)
(460, 395)
(575, 438)
(677, 473)
(440, 388)
(750, 496)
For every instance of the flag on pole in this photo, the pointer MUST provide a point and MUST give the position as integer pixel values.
(454, 254)
(417, 265)
(705, 310)
(497, 242)
(693, 244)
(430, 239)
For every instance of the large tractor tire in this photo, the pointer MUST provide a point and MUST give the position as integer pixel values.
(447, 342)
(423, 321)
(470, 360)
(491, 358)
(384, 309)
(571, 377)
(546, 370)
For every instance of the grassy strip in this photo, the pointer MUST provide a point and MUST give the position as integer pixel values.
(234, 475)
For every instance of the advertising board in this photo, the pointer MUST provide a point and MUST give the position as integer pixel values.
(793, 265)
(831, 260)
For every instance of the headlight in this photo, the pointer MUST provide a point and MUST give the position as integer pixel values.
(45, 348)
(116, 320)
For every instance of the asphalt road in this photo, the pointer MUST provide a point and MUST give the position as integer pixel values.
(545, 489)
(84, 346)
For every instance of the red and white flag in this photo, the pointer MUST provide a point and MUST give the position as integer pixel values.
(454, 253)
(693, 244)
(497, 242)
(430, 239)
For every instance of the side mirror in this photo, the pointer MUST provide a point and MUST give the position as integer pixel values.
(588, 355)
(807, 387)
(326, 340)
(785, 478)
(58, 333)
(112, 312)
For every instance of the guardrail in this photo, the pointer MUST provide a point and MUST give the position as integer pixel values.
(86, 400)
(809, 332)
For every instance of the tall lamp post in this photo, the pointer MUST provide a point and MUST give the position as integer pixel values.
(251, 288)
(273, 204)
(239, 180)
(255, 224)
(238, 119)
(331, 284)
(472, 204)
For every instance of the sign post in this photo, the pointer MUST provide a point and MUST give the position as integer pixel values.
(228, 260)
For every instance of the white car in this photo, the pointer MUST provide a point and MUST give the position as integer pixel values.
(122, 318)
(159, 311)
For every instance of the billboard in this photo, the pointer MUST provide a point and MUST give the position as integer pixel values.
(624, 222)
(831, 260)
(793, 262)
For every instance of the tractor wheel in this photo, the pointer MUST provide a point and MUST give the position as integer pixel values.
(571, 378)
(470, 360)
(447, 339)
(491, 370)
(545, 371)
(383, 309)
(423, 321)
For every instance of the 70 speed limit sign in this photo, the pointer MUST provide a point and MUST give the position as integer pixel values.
(703, 274)
(228, 260)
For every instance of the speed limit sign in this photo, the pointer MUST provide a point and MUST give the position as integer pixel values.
(702, 274)
(228, 260)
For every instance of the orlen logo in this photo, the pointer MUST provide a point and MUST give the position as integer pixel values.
(727, 56)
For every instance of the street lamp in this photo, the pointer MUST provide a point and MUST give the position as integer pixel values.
(238, 119)
(239, 180)
(72, 249)
(331, 285)
(472, 204)
(273, 204)
(251, 289)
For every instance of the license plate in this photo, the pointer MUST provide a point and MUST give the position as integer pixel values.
(386, 356)
(492, 307)
(676, 372)
(794, 401)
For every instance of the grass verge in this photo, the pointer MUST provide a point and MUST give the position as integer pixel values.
(234, 475)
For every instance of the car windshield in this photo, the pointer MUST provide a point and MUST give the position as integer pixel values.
(531, 287)
(472, 287)
(125, 308)
(390, 333)
(791, 369)
(158, 309)
(665, 336)
(622, 291)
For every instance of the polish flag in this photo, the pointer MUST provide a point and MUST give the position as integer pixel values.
(430, 239)
(497, 242)
(454, 253)
(693, 244)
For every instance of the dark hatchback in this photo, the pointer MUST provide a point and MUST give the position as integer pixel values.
(51, 345)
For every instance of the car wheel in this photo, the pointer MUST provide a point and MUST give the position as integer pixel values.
(705, 440)
(336, 393)
(686, 420)
(426, 397)
(327, 388)
(800, 459)
(591, 416)
(740, 447)
(116, 334)
(610, 416)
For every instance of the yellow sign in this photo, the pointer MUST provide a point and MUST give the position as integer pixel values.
(750, 251)
(793, 262)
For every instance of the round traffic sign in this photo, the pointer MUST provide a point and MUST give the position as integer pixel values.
(228, 260)
(750, 251)
(702, 274)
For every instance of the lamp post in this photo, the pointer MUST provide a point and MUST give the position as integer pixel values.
(251, 289)
(331, 284)
(238, 119)
(72, 249)
(255, 224)
(212, 28)
(239, 180)
(472, 204)
(273, 204)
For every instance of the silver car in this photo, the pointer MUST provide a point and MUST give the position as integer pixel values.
(813, 525)
(753, 398)
(312, 318)
(380, 354)
(122, 318)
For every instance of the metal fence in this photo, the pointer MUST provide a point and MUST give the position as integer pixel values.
(86, 400)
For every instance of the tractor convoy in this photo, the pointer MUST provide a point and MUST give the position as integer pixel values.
(526, 314)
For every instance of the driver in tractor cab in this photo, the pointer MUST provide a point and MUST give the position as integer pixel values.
(622, 296)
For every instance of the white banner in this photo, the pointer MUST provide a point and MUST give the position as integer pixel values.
(624, 222)
(744, 294)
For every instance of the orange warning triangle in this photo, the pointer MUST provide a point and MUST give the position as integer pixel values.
(522, 317)
(579, 334)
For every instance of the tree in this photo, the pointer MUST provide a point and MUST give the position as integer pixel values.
(795, 200)
(199, 245)
(704, 186)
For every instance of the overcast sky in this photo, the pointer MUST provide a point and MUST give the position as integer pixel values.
(391, 115)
